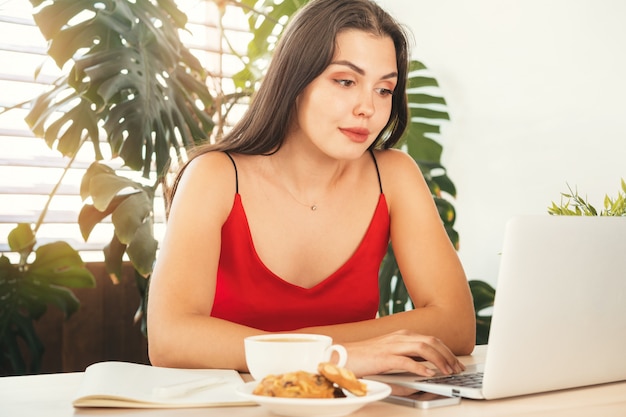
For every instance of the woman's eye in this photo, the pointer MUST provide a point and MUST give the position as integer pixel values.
(385, 91)
(345, 83)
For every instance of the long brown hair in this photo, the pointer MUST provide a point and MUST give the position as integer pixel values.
(303, 52)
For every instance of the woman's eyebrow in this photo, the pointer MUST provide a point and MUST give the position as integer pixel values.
(360, 70)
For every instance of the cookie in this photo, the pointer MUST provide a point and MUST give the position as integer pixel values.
(343, 377)
(298, 384)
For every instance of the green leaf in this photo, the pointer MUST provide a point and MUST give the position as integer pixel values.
(422, 148)
(55, 16)
(103, 188)
(46, 104)
(22, 239)
(142, 249)
(422, 112)
(483, 294)
(446, 211)
(94, 170)
(418, 81)
(453, 235)
(59, 264)
(113, 259)
(388, 270)
(22, 328)
(400, 295)
(437, 178)
(64, 44)
(39, 295)
(178, 17)
(266, 19)
(12, 351)
(425, 99)
(88, 218)
(415, 66)
(130, 215)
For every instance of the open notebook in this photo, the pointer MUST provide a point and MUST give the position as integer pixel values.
(131, 385)
(559, 319)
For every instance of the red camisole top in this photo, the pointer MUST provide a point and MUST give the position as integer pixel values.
(248, 293)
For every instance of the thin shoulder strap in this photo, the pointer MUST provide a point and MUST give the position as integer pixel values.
(380, 183)
(236, 173)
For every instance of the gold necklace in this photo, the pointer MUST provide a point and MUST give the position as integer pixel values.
(313, 206)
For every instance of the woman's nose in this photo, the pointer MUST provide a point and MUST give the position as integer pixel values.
(365, 105)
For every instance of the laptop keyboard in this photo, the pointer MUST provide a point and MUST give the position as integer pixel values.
(471, 380)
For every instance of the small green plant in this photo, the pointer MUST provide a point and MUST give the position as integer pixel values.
(573, 204)
(27, 289)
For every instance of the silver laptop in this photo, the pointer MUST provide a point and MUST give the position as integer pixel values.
(559, 317)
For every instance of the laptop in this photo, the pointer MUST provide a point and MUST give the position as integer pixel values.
(559, 316)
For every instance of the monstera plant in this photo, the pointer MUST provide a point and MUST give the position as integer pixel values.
(133, 82)
(134, 86)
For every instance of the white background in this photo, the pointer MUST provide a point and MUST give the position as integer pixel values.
(536, 91)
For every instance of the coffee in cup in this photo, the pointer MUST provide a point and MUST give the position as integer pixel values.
(281, 353)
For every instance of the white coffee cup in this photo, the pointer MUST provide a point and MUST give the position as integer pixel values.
(281, 353)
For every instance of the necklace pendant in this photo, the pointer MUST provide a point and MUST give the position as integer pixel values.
(314, 207)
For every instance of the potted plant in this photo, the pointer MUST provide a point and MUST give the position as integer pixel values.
(573, 204)
(28, 288)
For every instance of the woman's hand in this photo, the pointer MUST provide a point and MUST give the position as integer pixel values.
(401, 351)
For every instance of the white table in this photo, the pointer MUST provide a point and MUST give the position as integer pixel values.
(50, 396)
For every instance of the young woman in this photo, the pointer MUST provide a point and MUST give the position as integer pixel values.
(282, 225)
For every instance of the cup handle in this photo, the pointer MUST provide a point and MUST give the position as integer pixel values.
(341, 352)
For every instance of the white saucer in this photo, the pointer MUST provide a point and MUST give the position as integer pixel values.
(316, 407)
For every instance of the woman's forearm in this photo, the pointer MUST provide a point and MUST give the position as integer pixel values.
(198, 341)
(455, 329)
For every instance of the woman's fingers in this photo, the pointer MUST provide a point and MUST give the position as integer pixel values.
(428, 348)
(398, 352)
(440, 356)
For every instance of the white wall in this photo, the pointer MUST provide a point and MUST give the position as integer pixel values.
(536, 91)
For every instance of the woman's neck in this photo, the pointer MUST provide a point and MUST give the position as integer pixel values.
(309, 177)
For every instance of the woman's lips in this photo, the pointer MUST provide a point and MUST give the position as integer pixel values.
(356, 134)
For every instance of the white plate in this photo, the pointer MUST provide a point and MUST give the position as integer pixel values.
(316, 407)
